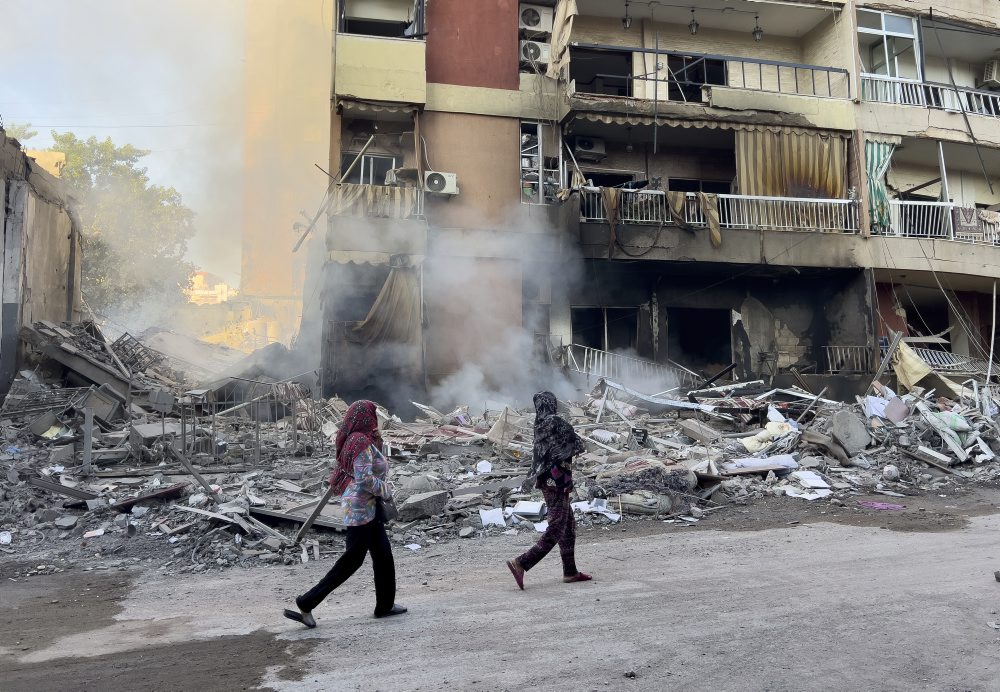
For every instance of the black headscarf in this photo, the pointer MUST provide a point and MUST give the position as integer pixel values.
(555, 440)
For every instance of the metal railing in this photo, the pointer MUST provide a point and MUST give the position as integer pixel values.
(377, 201)
(847, 359)
(689, 72)
(621, 368)
(908, 92)
(911, 219)
(735, 211)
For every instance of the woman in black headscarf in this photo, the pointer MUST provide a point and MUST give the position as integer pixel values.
(555, 445)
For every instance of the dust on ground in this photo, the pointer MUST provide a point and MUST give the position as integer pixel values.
(38, 611)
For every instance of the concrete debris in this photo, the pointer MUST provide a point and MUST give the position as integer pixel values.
(202, 475)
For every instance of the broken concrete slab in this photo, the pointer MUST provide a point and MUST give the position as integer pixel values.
(66, 522)
(699, 431)
(423, 505)
(850, 432)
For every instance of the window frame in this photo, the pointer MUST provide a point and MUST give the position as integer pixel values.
(347, 156)
(886, 34)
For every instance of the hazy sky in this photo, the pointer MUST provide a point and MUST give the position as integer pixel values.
(164, 75)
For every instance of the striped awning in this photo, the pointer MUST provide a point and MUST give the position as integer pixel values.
(663, 121)
(364, 106)
(791, 163)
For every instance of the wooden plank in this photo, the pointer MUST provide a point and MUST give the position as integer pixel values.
(750, 472)
(319, 521)
(315, 513)
(202, 512)
(190, 469)
(929, 461)
(60, 489)
(163, 494)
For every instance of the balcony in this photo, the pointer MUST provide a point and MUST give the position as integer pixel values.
(649, 207)
(906, 92)
(377, 201)
(688, 74)
(942, 221)
(380, 69)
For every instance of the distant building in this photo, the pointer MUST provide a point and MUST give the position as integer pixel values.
(51, 162)
(209, 289)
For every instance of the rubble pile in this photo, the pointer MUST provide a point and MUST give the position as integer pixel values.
(190, 479)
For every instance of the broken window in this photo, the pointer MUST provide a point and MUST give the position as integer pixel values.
(607, 72)
(688, 74)
(389, 18)
(370, 170)
(541, 163)
(607, 329)
(889, 45)
(701, 338)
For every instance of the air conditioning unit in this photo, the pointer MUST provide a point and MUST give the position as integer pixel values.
(535, 52)
(589, 149)
(536, 18)
(440, 183)
(991, 74)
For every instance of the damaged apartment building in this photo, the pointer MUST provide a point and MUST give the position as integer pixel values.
(776, 185)
(40, 244)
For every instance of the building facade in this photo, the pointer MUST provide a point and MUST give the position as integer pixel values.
(780, 185)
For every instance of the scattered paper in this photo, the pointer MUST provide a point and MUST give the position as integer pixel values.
(484, 467)
(792, 491)
(542, 526)
(492, 517)
(5, 537)
(529, 510)
(596, 506)
(810, 479)
(412, 546)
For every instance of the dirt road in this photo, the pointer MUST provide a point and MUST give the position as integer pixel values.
(807, 607)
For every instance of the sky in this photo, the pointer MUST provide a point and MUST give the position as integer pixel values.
(163, 75)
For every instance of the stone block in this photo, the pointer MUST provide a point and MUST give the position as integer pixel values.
(423, 505)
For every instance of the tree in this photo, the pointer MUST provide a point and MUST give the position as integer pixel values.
(22, 132)
(135, 234)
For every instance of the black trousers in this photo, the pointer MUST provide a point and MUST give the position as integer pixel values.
(361, 540)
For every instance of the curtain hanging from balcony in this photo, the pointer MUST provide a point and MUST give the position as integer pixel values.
(377, 201)
(878, 155)
(562, 29)
(791, 163)
(394, 317)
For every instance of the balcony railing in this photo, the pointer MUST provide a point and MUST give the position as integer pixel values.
(735, 211)
(621, 368)
(907, 92)
(941, 220)
(848, 359)
(377, 201)
(689, 72)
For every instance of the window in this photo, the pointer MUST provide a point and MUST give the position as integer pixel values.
(607, 329)
(541, 169)
(389, 18)
(889, 45)
(689, 74)
(719, 187)
(370, 170)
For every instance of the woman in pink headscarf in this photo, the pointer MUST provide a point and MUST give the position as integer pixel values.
(361, 476)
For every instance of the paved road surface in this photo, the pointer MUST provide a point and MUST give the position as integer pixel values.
(807, 607)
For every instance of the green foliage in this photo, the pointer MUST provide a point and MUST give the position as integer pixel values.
(22, 132)
(135, 234)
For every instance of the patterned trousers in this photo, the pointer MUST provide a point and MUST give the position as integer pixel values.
(561, 530)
